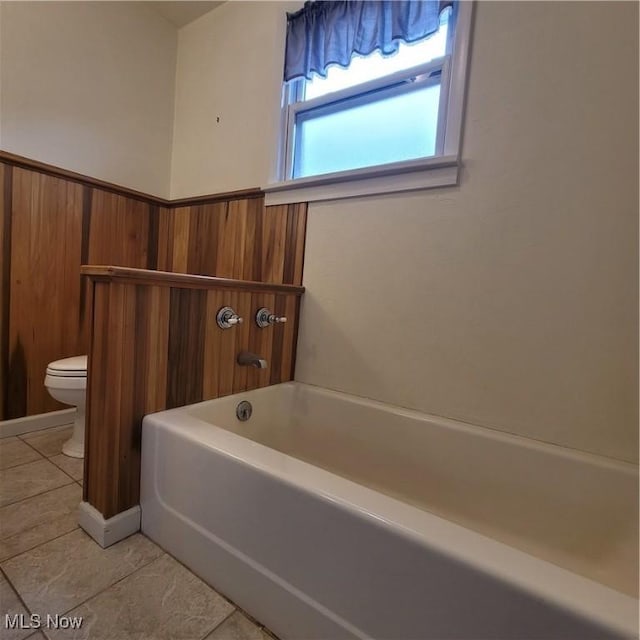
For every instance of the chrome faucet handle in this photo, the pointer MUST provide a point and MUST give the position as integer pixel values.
(265, 318)
(227, 318)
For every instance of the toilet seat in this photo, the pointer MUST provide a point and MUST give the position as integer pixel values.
(66, 382)
(75, 367)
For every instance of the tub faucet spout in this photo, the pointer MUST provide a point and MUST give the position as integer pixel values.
(248, 359)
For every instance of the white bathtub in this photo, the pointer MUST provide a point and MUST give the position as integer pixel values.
(329, 516)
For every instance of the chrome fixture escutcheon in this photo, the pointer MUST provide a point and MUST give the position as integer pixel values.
(227, 318)
(264, 318)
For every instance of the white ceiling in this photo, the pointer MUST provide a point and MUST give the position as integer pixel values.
(181, 13)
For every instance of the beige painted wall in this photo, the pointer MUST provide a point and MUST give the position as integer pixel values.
(510, 301)
(89, 86)
(230, 65)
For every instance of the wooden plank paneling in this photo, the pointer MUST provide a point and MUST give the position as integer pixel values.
(186, 339)
(274, 229)
(52, 221)
(203, 238)
(128, 441)
(57, 225)
(241, 239)
(5, 276)
(241, 339)
(96, 431)
(44, 306)
(165, 239)
(158, 346)
(153, 232)
(87, 198)
(250, 260)
(261, 340)
(294, 251)
(228, 232)
(181, 224)
(157, 336)
(227, 350)
(119, 230)
(213, 340)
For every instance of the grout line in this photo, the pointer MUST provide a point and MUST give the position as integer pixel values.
(6, 577)
(20, 464)
(95, 595)
(59, 467)
(36, 450)
(236, 608)
(76, 606)
(223, 619)
(184, 566)
(31, 435)
(42, 457)
(15, 555)
(66, 484)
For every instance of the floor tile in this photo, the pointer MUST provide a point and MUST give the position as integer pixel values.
(10, 605)
(14, 452)
(61, 574)
(163, 601)
(19, 483)
(49, 441)
(30, 522)
(237, 627)
(73, 467)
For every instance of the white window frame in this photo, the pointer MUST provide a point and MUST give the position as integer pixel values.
(438, 170)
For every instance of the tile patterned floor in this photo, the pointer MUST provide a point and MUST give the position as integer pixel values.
(48, 566)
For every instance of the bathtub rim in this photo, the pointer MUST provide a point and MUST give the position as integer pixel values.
(606, 462)
(540, 578)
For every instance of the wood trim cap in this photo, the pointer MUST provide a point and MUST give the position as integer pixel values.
(182, 280)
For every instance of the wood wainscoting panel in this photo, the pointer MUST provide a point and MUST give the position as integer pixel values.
(283, 240)
(53, 221)
(120, 230)
(5, 266)
(46, 229)
(240, 239)
(155, 333)
(185, 363)
(165, 239)
(158, 346)
(56, 226)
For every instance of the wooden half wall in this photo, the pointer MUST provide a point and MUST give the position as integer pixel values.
(52, 221)
(155, 344)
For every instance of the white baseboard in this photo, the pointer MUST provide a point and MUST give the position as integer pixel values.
(18, 426)
(112, 530)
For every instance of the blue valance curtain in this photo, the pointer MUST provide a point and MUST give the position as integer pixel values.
(328, 32)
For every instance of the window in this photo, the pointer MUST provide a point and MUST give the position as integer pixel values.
(380, 115)
(378, 110)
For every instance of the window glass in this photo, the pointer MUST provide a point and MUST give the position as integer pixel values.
(384, 129)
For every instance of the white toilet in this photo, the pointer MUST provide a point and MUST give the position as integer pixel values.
(66, 381)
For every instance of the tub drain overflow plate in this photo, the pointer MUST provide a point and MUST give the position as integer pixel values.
(244, 411)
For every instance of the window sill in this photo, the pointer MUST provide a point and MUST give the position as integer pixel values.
(414, 175)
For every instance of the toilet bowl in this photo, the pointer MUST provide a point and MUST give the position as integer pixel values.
(66, 381)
